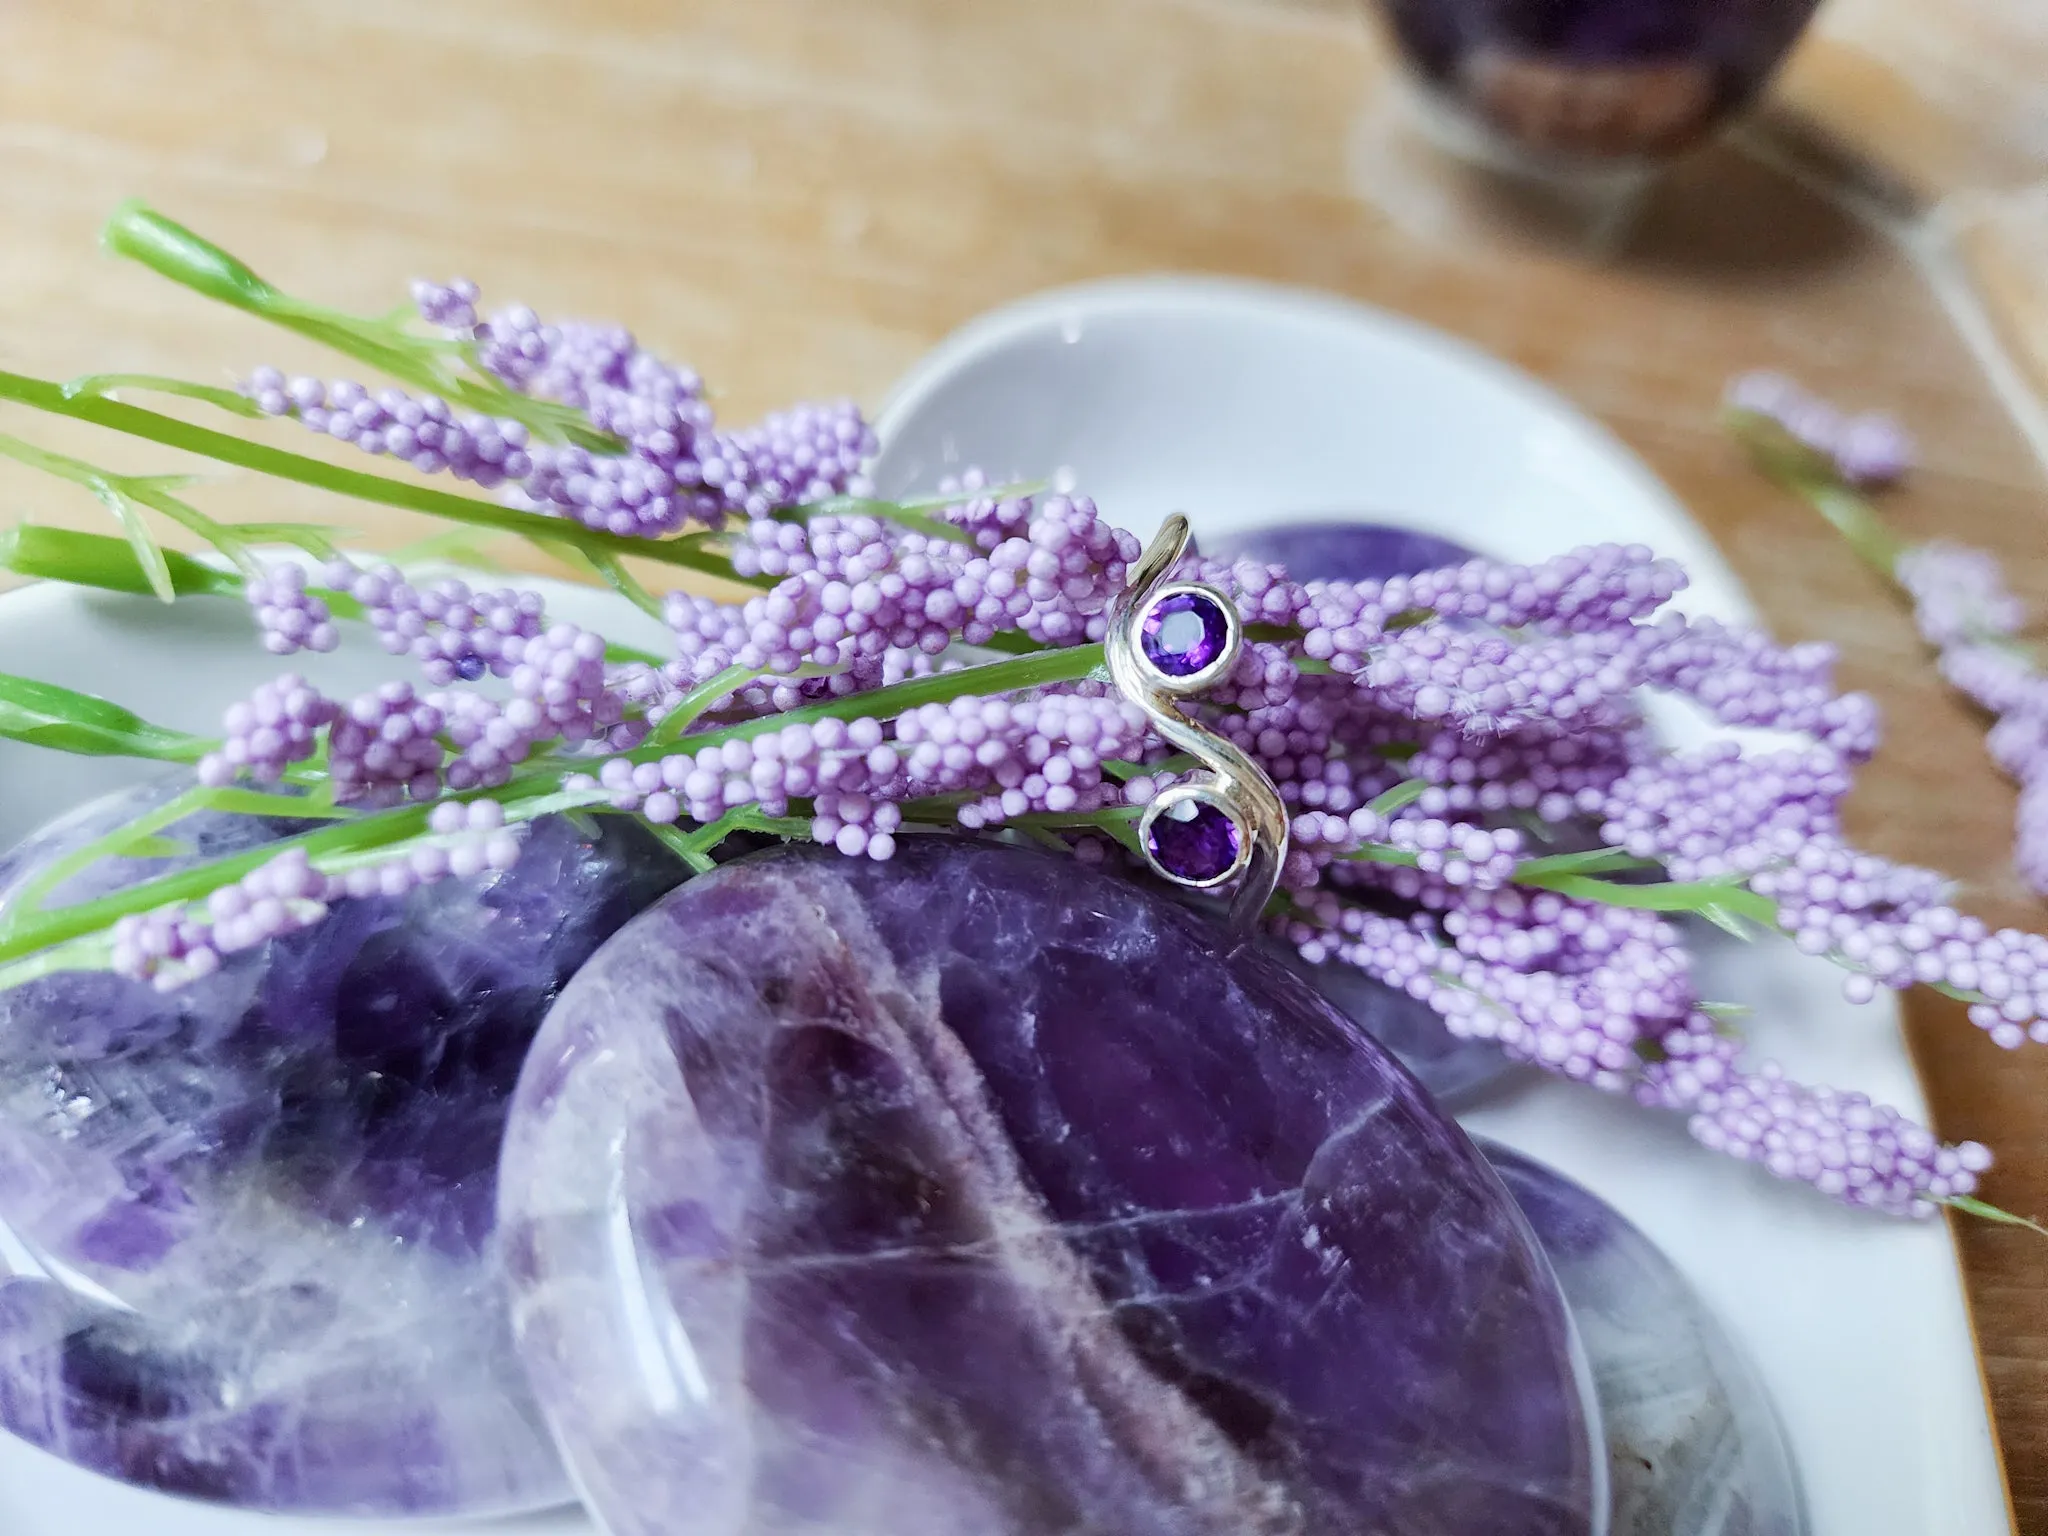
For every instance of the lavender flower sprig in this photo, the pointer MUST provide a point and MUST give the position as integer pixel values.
(1961, 604)
(1481, 816)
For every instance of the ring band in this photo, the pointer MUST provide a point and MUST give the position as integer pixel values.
(1166, 640)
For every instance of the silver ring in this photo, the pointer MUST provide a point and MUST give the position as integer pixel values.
(1169, 639)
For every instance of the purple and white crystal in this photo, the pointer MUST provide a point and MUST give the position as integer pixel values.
(983, 1194)
(262, 1208)
(1694, 1447)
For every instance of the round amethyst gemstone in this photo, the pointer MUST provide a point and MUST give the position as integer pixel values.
(1194, 840)
(1185, 633)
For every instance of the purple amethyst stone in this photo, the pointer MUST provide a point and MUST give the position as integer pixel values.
(1184, 633)
(980, 1193)
(1194, 841)
(1694, 1447)
(262, 1209)
(1340, 551)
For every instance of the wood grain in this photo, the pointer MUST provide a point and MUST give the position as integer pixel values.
(801, 196)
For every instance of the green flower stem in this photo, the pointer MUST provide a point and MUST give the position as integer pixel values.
(72, 932)
(700, 698)
(1039, 671)
(281, 464)
(1701, 896)
(328, 848)
(106, 385)
(906, 515)
(612, 572)
(113, 496)
(1407, 792)
(167, 248)
(1797, 468)
(108, 564)
(694, 848)
(1597, 861)
(1970, 1205)
(1180, 762)
(93, 953)
(1562, 875)
(42, 930)
(64, 720)
(132, 838)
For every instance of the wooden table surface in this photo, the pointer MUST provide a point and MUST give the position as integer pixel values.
(801, 196)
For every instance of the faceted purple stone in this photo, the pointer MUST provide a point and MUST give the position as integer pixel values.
(1183, 633)
(284, 1177)
(1694, 1447)
(1194, 841)
(980, 1193)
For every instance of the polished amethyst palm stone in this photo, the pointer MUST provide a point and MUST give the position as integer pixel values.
(1694, 1448)
(1340, 551)
(262, 1208)
(980, 1193)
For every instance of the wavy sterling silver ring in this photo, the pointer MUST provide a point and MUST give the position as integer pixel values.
(1168, 639)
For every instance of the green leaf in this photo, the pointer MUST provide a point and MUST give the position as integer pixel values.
(700, 698)
(93, 953)
(383, 490)
(98, 560)
(988, 679)
(255, 802)
(1969, 1205)
(680, 844)
(1595, 861)
(1957, 993)
(1726, 903)
(45, 715)
(1727, 921)
(1180, 762)
(104, 385)
(451, 546)
(158, 848)
(169, 249)
(1725, 1012)
(1405, 793)
(885, 511)
(149, 555)
(622, 581)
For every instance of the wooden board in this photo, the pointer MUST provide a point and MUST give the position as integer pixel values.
(800, 196)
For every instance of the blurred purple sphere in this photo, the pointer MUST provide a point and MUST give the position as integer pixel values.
(1596, 80)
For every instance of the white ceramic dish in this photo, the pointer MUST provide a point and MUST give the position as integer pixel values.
(1238, 404)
